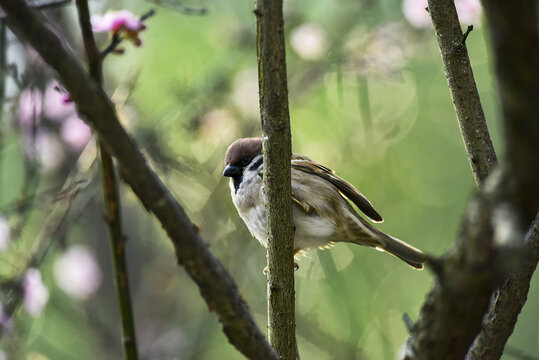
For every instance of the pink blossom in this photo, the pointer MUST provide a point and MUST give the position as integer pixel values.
(66, 99)
(5, 236)
(469, 11)
(75, 133)
(122, 21)
(416, 14)
(36, 294)
(414, 11)
(54, 107)
(77, 272)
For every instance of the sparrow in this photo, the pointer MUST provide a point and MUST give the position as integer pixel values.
(321, 209)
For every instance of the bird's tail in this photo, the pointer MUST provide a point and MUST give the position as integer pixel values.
(384, 242)
(407, 253)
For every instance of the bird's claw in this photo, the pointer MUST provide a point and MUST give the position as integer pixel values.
(266, 269)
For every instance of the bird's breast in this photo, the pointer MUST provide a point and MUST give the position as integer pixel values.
(255, 219)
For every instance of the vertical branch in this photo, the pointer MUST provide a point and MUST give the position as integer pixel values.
(3, 75)
(111, 199)
(272, 84)
(514, 36)
(515, 43)
(459, 74)
(3, 63)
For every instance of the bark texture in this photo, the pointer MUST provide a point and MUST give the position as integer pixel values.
(273, 92)
(505, 305)
(459, 74)
(514, 37)
(512, 26)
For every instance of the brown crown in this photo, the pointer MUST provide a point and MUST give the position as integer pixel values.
(241, 148)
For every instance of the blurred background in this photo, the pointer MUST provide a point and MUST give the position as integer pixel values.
(368, 98)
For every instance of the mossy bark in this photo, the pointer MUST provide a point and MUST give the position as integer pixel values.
(463, 89)
(273, 93)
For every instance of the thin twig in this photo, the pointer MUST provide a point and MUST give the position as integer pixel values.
(459, 74)
(215, 283)
(114, 42)
(465, 35)
(3, 75)
(112, 200)
(3, 62)
(273, 90)
(408, 322)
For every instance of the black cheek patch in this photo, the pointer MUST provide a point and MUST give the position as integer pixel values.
(237, 181)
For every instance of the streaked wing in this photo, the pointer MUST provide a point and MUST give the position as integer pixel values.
(346, 189)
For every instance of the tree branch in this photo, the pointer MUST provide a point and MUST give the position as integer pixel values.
(273, 90)
(111, 199)
(215, 284)
(3, 75)
(491, 239)
(513, 29)
(451, 315)
(459, 74)
(505, 305)
(513, 32)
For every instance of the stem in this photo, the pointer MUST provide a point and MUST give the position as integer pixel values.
(215, 283)
(111, 199)
(459, 74)
(117, 242)
(3, 75)
(117, 38)
(3, 63)
(272, 84)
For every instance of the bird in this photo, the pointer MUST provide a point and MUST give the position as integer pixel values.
(321, 209)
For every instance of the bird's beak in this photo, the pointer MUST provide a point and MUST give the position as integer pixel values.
(232, 171)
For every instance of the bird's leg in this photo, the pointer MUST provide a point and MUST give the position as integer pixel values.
(296, 266)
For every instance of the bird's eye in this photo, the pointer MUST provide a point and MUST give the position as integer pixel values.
(245, 161)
